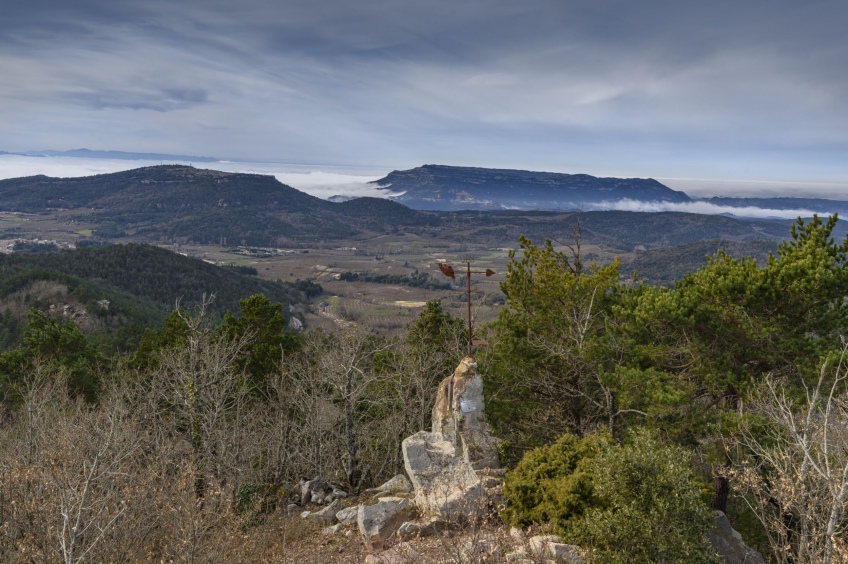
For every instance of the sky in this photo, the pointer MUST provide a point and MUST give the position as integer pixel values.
(719, 97)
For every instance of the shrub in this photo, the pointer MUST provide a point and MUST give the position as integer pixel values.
(553, 484)
(650, 509)
(632, 503)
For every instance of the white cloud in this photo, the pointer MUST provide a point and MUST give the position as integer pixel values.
(705, 208)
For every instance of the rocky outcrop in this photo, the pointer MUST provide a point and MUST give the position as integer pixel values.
(729, 544)
(458, 415)
(446, 485)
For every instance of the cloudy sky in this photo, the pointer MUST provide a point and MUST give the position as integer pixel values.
(720, 93)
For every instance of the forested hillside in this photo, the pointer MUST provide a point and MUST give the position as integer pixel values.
(120, 289)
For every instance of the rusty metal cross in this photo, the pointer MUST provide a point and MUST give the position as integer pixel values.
(448, 271)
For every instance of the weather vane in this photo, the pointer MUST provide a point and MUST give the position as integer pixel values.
(448, 271)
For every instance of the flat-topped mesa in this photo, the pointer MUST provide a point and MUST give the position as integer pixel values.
(458, 416)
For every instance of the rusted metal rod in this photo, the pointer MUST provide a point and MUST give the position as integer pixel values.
(448, 271)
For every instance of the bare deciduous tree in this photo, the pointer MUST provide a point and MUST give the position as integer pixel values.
(796, 478)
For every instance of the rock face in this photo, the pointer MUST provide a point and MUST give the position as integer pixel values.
(446, 485)
(729, 544)
(378, 522)
(458, 415)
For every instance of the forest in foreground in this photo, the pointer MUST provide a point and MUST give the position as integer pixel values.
(626, 413)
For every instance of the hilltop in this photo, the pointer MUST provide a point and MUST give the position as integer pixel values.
(438, 187)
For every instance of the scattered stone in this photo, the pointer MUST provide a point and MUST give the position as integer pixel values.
(311, 490)
(347, 515)
(516, 534)
(380, 521)
(291, 509)
(332, 530)
(417, 529)
(552, 545)
(472, 549)
(729, 544)
(388, 557)
(445, 485)
(305, 514)
(458, 415)
(326, 515)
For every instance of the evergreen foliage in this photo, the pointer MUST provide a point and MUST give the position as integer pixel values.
(54, 344)
(633, 503)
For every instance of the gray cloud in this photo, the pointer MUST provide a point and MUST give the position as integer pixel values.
(163, 100)
(750, 90)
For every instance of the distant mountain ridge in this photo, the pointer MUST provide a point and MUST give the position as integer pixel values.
(440, 187)
(184, 204)
(453, 188)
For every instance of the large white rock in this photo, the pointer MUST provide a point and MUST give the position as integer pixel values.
(445, 485)
(378, 522)
(458, 415)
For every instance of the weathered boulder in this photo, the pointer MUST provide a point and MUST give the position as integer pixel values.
(326, 515)
(729, 544)
(399, 485)
(445, 485)
(378, 522)
(458, 415)
(347, 515)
